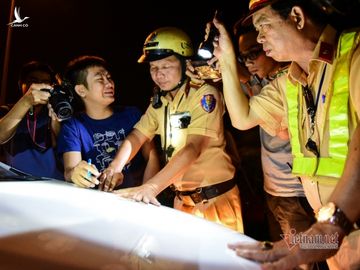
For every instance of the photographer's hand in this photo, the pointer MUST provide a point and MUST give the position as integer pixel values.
(31, 98)
(35, 95)
(55, 125)
(52, 114)
(55, 122)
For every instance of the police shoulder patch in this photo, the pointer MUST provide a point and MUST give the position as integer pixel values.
(208, 103)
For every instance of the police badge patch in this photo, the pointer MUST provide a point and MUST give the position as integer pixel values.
(208, 103)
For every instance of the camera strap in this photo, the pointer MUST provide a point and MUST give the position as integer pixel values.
(32, 129)
(165, 148)
(169, 149)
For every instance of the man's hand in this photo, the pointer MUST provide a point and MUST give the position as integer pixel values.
(208, 71)
(190, 72)
(52, 113)
(85, 175)
(36, 96)
(55, 125)
(286, 255)
(145, 193)
(110, 180)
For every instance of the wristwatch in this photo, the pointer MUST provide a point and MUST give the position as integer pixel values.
(332, 214)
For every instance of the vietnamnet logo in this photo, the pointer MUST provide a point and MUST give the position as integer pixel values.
(18, 22)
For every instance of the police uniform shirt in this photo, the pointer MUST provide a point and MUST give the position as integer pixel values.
(271, 105)
(198, 112)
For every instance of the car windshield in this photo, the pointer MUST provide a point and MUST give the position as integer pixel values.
(8, 173)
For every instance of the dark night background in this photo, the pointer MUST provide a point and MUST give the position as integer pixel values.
(59, 30)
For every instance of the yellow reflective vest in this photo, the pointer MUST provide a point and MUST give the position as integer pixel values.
(332, 165)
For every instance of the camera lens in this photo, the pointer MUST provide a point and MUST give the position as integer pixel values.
(60, 103)
(63, 110)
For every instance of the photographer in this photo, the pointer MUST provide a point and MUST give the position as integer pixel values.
(28, 129)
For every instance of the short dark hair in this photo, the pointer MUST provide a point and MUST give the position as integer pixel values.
(32, 66)
(77, 69)
(239, 29)
(283, 8)
(76, 72)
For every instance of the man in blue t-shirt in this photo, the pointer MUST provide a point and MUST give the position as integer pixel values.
(89, 140)
(27, 133)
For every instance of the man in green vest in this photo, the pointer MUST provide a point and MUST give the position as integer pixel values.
(318, 105)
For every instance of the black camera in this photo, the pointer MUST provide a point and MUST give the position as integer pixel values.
(185, 121)
(180, 120)
(60, 100)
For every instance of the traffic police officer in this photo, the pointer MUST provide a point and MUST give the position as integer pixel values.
(189, 121)
(319, 103)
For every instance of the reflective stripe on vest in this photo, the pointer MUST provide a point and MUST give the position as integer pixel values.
(333, 165)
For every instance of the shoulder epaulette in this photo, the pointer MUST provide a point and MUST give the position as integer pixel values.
(195, 85)
(282, 71)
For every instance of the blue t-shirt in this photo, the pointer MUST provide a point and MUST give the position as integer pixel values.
(100, 140)
(30, 149)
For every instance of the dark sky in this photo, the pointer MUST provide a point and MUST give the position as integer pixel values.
(59, 30)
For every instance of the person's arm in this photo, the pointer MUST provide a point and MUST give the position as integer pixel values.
(151, 156)
(55, 129)
(236, 101)
(128, 149)
(345, 196)
(76, 170)
(11, 120)
(55, 125)
(177, 166)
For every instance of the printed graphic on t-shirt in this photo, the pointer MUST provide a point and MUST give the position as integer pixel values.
(106, 146)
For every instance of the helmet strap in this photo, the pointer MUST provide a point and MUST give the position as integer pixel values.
(183, 73)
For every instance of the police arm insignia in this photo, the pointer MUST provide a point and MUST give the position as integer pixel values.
(208, 103)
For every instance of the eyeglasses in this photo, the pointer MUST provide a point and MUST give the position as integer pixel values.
(252, 55)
